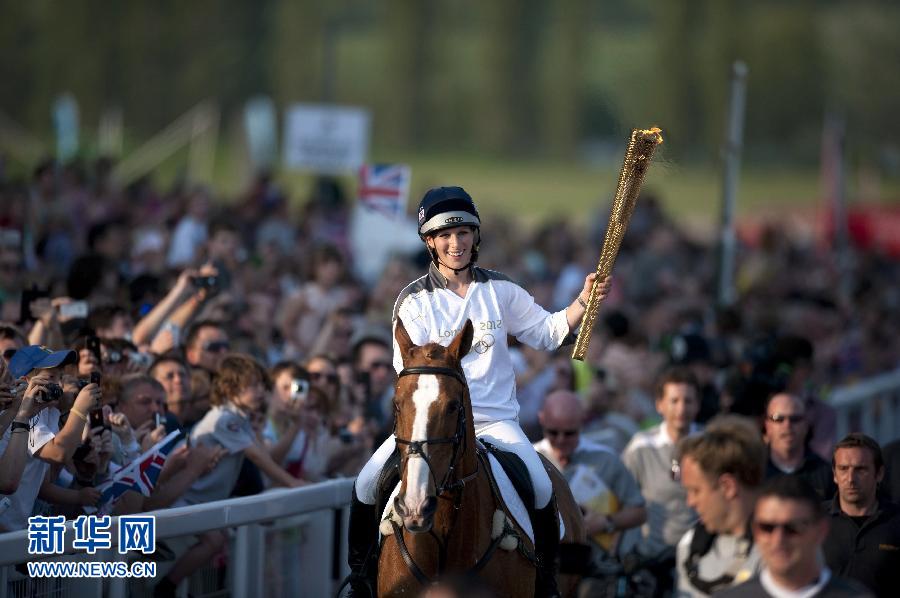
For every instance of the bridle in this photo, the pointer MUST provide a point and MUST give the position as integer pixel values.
(458, 440)
(417, 447)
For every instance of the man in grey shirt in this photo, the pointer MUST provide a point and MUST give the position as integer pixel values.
(650, 459)
(607, 493)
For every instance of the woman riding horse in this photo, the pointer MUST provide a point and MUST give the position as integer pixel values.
(435, 308)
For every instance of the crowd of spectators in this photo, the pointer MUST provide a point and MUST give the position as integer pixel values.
(242, 325)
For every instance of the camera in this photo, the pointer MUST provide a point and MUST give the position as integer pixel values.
(53, 392)
(113, 357)
(205, 282)
(95, 379)
(140, 359)
(299, 389)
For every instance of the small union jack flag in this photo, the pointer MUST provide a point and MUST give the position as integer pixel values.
(384, 188)
(140, 475)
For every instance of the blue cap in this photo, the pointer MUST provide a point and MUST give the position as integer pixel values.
(37, 357)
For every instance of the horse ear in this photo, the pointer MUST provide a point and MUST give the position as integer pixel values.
(403, 341)
(462, 342)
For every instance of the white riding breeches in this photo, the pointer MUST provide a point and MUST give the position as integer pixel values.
(505, 434)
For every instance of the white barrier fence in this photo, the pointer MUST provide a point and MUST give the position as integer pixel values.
(286, 543)
(293, 542)
(871, 406)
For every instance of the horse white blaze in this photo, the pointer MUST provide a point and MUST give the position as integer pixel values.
(417, 473)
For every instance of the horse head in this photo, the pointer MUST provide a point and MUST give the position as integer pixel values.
(433, 422)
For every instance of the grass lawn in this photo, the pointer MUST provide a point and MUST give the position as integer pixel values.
(537, 190)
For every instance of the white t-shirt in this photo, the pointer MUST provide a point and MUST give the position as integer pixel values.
(497, 307)
(772, 587)
(229, 427)
(44, 427)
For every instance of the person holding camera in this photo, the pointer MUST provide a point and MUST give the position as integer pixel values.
(47, 443)
(164, 326)
(295, 429)
(19, 409)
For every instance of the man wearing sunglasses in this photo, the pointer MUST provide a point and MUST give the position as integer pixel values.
(786, 431)
(789, 526)
(864, 540)
(205, 345)
(374, 376)
(608, 495)
(11, 340)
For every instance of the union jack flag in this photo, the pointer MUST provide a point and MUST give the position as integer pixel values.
(384, 187)
(140, 475)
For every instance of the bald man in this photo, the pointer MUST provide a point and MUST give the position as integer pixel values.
(786, 432)
(606, 491)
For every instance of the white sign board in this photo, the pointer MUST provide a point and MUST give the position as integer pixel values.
(326, 139)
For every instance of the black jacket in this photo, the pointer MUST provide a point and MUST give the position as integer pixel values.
(814, 470)
(869, 553)
(836, 587)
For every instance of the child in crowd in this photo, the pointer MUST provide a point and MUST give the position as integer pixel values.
(239, 390)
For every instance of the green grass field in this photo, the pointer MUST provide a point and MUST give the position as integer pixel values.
(537, 190)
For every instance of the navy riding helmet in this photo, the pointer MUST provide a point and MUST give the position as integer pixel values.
(446, 207)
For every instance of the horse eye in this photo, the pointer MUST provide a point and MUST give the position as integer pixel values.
(453, 407)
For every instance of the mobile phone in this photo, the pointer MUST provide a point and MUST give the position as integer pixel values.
(157, 420)
(96, 377)
(81, 452)
(93, 345)
(97, 420)
(75, 309)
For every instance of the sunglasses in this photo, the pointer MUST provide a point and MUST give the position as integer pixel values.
(215, 346)
(778, 418)
(386, 365)
(322, 377)
(791, 528)
(564, 433)
(8, 354)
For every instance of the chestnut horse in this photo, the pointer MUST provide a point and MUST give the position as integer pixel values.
(445, 501)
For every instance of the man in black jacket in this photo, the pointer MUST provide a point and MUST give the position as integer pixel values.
(789, 525)
(786, 433)
(864, 540)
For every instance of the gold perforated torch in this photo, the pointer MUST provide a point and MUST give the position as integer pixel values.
(637, 160)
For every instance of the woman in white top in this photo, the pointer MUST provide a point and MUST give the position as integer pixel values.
(434, 308)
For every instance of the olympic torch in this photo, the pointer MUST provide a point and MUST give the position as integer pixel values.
(637, 160)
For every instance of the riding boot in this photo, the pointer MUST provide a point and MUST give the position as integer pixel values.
(362, 540)
(546, 549)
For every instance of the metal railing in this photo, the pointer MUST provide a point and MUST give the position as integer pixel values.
(291, 543)
(308, 513)
(871, 406)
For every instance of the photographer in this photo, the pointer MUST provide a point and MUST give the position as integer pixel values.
(163, 326)
(72, 487)
(19, 409)
(47, 444)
